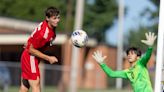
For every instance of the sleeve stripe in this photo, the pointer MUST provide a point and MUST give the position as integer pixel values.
(46, 33)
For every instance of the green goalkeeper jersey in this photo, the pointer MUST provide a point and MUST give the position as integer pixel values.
(138, 74)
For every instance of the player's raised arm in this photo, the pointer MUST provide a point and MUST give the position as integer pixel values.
(150, 39)
(100, 59)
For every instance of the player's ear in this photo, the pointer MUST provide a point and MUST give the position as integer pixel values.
(47, 18)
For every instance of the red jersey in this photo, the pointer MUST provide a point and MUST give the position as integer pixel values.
(42, 36)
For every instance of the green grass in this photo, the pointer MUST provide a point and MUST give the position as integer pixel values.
(53, 89)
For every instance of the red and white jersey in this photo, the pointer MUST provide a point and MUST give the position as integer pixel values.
(42, 36)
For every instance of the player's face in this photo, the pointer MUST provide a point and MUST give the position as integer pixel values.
(132, 56)
(53, 21)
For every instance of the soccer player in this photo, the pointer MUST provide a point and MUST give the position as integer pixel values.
(138, 72)
(42, 36)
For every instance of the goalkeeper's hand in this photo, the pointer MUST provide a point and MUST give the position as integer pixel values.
(97, 55)
(150, 38)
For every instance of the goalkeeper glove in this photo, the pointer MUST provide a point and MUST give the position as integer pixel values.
(150, 38)
(98, 57)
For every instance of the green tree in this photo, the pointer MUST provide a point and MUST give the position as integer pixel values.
(28, 9)
(135, 36)
(155, 16)
(32, 10)
(98, 17)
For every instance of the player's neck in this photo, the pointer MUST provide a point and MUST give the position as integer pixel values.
(132, 63)
(51, 27)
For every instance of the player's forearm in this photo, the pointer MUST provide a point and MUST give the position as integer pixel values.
(147, 55)
(111, 73)
(38, 54)
(107, 70)
(149, 51)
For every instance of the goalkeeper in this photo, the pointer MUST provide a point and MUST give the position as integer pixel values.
(138, 72)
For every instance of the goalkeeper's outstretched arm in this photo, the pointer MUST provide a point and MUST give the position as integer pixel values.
(114, 74)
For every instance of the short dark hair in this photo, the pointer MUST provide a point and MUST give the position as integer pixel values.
(51, 11)
(135, 49)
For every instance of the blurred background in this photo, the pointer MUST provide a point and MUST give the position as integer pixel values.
(112, 26)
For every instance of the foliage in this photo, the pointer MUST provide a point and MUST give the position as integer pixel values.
(135, 38)
(136, 35)
(99, 17)
(155, 16)
(27, 9)
(32, 10)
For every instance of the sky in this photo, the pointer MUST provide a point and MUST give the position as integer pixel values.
(132, 19)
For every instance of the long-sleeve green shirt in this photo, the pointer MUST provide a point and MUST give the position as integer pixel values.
(138, 74)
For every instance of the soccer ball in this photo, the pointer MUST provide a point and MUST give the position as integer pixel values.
(79, 38)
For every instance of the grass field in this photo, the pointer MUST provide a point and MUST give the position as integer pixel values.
(53, 89)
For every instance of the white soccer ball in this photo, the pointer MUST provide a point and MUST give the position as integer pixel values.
(79, 38)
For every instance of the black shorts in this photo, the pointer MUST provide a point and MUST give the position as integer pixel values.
(26, 83)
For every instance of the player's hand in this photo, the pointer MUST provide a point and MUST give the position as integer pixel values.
(97, 55)
(150, 38)
(52, 59)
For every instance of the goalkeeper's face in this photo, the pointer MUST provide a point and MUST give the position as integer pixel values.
(53, 21)
(132, 56)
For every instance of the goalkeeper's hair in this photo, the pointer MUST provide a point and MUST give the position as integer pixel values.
(52, 11)
(137, 51)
